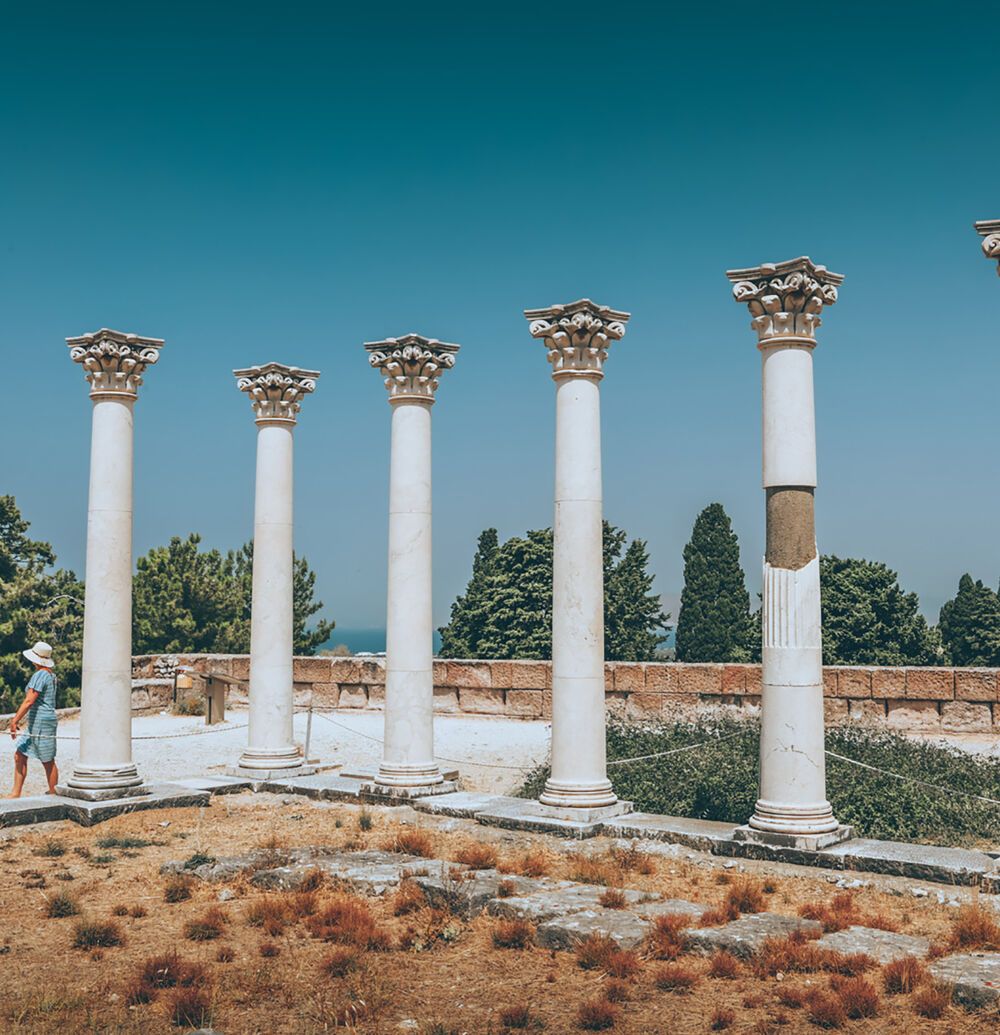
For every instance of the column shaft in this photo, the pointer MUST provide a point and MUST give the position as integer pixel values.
(105, 760)
(579, 769)
(408, 757)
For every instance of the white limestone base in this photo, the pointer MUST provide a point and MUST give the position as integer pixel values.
(803, 842)
(385, 793)
(284, 773)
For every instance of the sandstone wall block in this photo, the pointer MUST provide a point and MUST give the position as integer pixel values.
(627, 677)
(445, 699)
(930, 684)
(376, 696)
(474, 675)
(889, 683)
(866, 711)
(344, 670)
(501, 675)
(353, 697)
(966, 717)
(478, 701)
(829, 682)
(854, 682)
(311, 670)
(699, 679)
(525, 704)
(643, 707)
(734, 679)
(835, 711)
(913, 715)
(975, 684)
(531, 675)
(660, 678)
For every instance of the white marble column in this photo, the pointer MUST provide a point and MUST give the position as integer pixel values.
(114, 364)
(785, 301)
(411, 367)
(989, 231)
(577, 337)
(276, 393)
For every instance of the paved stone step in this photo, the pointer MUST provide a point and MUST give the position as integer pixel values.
(462, 804)
(319, 786)
(884, 946)
(528, 814)
(703, 835)
(371, 873)
(467, 894)
(922, 862)
(743, 937)
(625, 929)
(974, 976)
(47, 808)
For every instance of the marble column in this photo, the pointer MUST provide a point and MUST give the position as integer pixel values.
(411, 367)
(114, 364)
(989, 231)
(276, 392)
(785, 301)
(577, 337)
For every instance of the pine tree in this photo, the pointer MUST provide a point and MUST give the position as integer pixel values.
(714, 623)
(460, 638)
(970, 624)
(869, 620)
(632, 612)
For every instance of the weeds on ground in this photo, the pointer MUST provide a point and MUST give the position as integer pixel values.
(974, 928)
(51, 849)
(61, 904)
(722, 1018)
(408, 899)
(666, 939)
(477, 856)
(340, 961)
(365, 821)
(675, 977)
(932, 1002)
(348, 921)
(843, 912)
(613, 898)
(513, 934)
(97, 934)
(190, 1008)
(724, 965)
(531, 864)
(596, 1015)
(177, 889)
(616, 991)
(123, 842)
(901, 977)
(410, 842)
(593, 951)
(207, 927)
(857, 995)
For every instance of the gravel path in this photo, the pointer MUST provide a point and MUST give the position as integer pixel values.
(349, 737)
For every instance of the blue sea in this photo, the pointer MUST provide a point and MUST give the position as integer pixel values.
(372, 641)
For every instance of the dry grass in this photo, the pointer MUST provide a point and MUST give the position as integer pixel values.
(901, 977)
(517, 1017)
(530, 864)
(177, 889)
(974, 928)
(617, 990)
(206, 927)
(593, 869)
(408, 899)
(826, 1010)
(348, 921)
(633, 860)
(676, 977)
(932, 1002)
(842, 911)
(477, 856)
(225, 954)
(505, 889)
(269, 950)
(61, 904)
(97, 934)
(724, 965)
(513, 934)
(857, 995)
(745, 895)
(410, 842)
(613, 898)
(190, 1008)
(593, 951)
(341, 961)
(666, 940)
(722, 1018)
(622, 964)
(596, 1015)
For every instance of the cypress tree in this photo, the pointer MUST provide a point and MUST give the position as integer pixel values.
(970, 624)
(632, 612)
(714, 623)
(460, 638)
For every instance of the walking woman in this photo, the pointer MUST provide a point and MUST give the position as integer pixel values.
(39, 705)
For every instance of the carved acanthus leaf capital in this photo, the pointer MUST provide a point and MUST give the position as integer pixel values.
(411, 365)
(276, 390)
(577, 335)
(989, 231)
(785, 299)
(114, 362)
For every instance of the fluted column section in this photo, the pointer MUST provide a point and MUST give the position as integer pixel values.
(785, 302)
(411, 367)
(577, 337)
(114, 364)
(275, 392)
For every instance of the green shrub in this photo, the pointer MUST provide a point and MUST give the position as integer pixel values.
(719, 780)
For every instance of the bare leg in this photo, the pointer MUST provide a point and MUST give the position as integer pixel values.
(20, 772)
(51, 774)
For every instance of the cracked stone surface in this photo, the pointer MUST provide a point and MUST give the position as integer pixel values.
(884, 946)
(467, 894)
(743, 937)
(554, 899)
(627, 930)
(373, 873)
(974, 976)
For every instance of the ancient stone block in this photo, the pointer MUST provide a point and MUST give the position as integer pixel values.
(743, 937)
(854, 682)
(966, 717)
(975, 684)
(639, 707)
(616, 706)
(501, 675)
(699, 679)
(140, 699)
(326, 694)
(445, 699)
(469, 674)
(866, 711)
(930, 684)
(829, 682)
(734, 679)
(525, 704)
(311, 670)
(628, 677)
(531, 675)
(974, 977)
(481, 702)
(883, 946)
(835, 711)
(440, 676)
(753, 679)
(352, 696)
(889, 683)
(625, 929)
(376, 696)
(660, 678)
(344, 670)
(241, 667)
(913, 715)
(372, 670)
(547, 704)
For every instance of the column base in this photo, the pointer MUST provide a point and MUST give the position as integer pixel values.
(566, 795)
(394, 776)
(776, 817)
(260, 775)
(389, 794)
(802, 842)
(270, 760)
(103, 783)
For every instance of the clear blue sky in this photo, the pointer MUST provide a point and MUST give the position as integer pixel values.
(287, 181)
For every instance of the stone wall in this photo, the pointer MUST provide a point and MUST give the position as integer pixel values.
(915, 699)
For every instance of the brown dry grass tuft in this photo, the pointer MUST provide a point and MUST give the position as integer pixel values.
(722, 1018)
(120, 911)
(171, 971)
(177, 889)
(617, 991)
(137, 912)
(271, 912)
(531, 864)
(596, 1015)
(633, 860)
(312, 881)
(477, 856)
(505, 889)
(61, 904)
(341, 961)
(900, 977)
(207, 927)
(408, 899)
(593, 951)
(724, 965)
(826, 1010)
(517, 1017)
(613, 898)
(586, 869)
(513, 934)
(666, 940)
(410, 842)
(675, 977)
(842, 911)
(714, 918)
(97, 934)
(622, 964)
(745, 895)
(857, 995)
(348, 921)
(932, 1002)
(190, 1008)
(792, 996)
(974, 928)
(226, 954)
(303, 904)
(269, 950)
(795, 954)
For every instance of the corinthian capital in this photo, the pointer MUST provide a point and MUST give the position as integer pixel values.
(411, 365)
(989, 231)
(577, 336)
(785, 299)
(276, 391)
(114, 362)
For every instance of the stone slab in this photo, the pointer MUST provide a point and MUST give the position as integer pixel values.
(884, 946)
(554, 899)
(974, 976)
(702, 835)
(63, 790)
(215, 784)
(528, 814)
(41, 809)
(160, 796)
(669, 907)
(795, 842)
(259, 776)
(367, 774)
(379, 794)
(461, 804)
(627, 930)
(743, 937)
(372, 873)
(467, 893)
(921, 862)
(224, 868)
(319, 787)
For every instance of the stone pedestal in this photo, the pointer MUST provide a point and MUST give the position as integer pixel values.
(114, 364)
(411, 367)
(785, 302)
(276, 392)
(577, 337)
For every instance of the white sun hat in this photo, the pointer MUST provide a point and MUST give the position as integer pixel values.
(40, 654)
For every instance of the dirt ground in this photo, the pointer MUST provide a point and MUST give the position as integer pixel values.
(450, 980)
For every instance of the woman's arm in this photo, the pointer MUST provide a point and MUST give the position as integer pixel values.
(30, 697)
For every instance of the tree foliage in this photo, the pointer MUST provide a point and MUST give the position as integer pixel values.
(506, 610)
(190, 600)
(970, 624)
(714, 623)
(869, 620)
(37, 602)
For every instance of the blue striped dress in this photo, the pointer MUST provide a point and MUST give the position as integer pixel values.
(40, 739)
